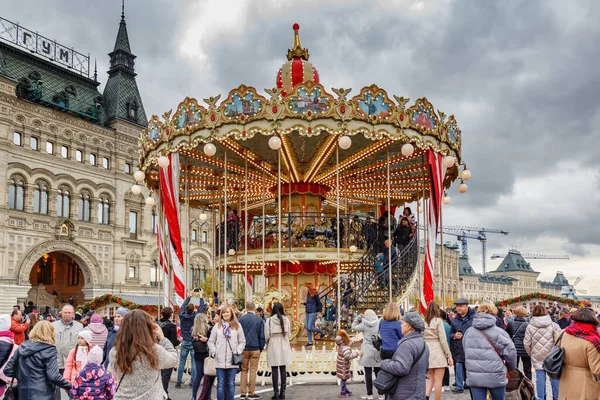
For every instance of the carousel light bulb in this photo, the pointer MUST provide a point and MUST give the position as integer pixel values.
(136, 189)
(446, 200)
(210, 149)
(275, 143)
(462, 188)
(345, 142)
(150, 201)
(139, 176)
(163, 161)
(465, 175)
(231, 252)
(449, 161)
(353, 249)
(407, 150)
(419, 208)
(203, 217)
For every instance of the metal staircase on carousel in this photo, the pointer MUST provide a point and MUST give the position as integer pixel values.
(371, 290)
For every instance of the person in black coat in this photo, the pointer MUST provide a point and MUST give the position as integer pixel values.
(35, 365)
(458, 326)
(563, 321)
(170, 332)
(516, 330)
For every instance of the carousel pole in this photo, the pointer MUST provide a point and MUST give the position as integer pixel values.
(214, 253)
(188, 224)
(245, 229)
(389, 226)
(264, 228)
(225, 241)
(279, 217)
(337, 210)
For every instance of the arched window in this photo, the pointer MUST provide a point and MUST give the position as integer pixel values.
(40, 198)
(63, 203)
(84, 206)
(103, 211)
(16, 194)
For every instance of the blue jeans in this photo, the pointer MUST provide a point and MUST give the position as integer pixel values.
(480, 393)
(226, 383)
(540, 384)
(460, 375)
(343, 386)
(185, 349)
(311, 318)
(198, 377)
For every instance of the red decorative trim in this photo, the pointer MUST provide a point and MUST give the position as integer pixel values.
(305, 268)
(303, 188)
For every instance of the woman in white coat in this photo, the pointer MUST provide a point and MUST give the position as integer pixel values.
(368, 324)
(226, 338)
(279, 351)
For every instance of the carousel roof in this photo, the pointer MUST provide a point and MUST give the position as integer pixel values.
(309, 121)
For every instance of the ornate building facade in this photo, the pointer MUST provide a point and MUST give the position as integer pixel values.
(69, 223)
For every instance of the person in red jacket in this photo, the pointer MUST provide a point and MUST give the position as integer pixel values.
(18, 327)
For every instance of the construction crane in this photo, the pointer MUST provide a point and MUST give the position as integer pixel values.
(569, 291)
(534, 256)
(463, 233)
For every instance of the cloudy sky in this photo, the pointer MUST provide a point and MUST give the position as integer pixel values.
(520, 76)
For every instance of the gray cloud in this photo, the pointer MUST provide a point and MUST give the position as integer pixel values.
(520, 76)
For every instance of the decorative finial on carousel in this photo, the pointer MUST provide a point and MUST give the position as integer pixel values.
(297, 51)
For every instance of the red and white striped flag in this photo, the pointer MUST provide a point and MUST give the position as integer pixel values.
(437, 172)
(161, 238)
(169, 190)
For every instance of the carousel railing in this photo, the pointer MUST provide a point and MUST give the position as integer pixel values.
(299, 230)
(370, 287)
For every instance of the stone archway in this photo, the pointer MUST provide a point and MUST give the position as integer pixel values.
(86, 261)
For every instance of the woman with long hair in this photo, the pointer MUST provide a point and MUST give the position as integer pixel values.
(538, 341)
(226, 339)
(581, 360)
(139, 353)
(35, 365)
(200, 334)
(279, 354)
(439, 351)
(390, 330)
(313, 307)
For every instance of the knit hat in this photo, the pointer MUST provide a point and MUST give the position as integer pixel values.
(4, 322)
(122, 311)
(95, 356)
(96, 319)
(87, 335)
(414, 320)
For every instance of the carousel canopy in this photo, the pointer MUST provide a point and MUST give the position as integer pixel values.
(310, 123)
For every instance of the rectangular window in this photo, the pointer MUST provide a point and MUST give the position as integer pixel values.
(50, 147)
(194, 235)
(132, 224)
(153, 223)
(92, 159)
(131, 274)
(64, 151)
(105, 163)
(204, 237)
(79, 155)
(17, 138)
(128, 168)
(33, 143)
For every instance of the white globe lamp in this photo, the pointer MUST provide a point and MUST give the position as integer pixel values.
(163, 161)
(449, 161)
(465, 175)
(203, 217)
(150, 201)
(231, 252)
(407, 150)
(275, 143)
(446, 200)
(136, 189)
(345, 142)
(139, 176)
(462, 188)
(210, 149)
(353, 249)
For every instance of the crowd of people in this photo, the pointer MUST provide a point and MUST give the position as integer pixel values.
(134, 355)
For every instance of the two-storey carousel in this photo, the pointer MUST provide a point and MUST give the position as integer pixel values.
(300, 181)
